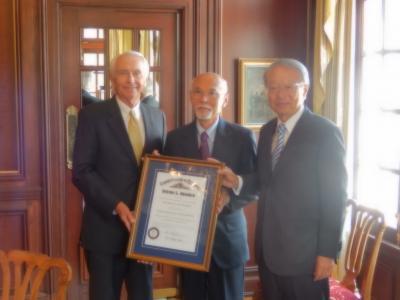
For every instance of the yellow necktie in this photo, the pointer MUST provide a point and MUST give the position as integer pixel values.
(135, 136)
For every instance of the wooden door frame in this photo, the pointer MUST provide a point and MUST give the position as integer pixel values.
(201, 33)
(73, 19)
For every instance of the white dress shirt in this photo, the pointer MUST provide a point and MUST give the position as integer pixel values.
(126, 110)
(211, 132)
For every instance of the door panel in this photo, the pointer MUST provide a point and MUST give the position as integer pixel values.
(73, 19)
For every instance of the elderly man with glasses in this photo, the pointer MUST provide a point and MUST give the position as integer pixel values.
(301, 181)
(209, 135)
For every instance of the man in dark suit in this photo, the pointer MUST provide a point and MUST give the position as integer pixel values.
(150, 100)
(301, 179)
(111, 137)
(235, 146)
(88, 98)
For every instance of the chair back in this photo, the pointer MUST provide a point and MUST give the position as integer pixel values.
(364, 221)
(23, 273)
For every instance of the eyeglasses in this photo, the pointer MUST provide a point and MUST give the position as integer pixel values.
(288, 88)
(210, 94)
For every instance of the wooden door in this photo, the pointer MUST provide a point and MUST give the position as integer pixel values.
(73, 20)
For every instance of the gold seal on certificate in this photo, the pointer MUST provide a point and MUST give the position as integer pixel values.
(176, 212)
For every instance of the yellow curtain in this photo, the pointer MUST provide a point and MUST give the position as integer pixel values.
(333, 75)
(120, 40)
(150, 46)
(334, 61)
(145, 44)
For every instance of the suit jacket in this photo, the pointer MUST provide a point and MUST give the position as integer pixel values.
(150, 100)
(301, 208)
(235, 146)
(106, 172)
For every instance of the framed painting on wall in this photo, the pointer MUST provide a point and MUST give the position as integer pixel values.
(253, 107)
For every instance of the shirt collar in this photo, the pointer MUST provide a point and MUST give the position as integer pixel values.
(210, 131)
(125, 109)
(292, 121)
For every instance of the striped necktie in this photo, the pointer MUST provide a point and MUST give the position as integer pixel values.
(135, 137)
(280, 144)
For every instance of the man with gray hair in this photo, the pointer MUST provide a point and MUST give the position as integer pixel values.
(301, 181)
(211, 136)
(112, 136)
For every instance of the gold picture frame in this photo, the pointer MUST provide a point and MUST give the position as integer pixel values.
(176, 212)
(253, 108)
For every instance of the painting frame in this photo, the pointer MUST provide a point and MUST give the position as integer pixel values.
(253, 109)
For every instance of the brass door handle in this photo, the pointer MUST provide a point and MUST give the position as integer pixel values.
(71, 123)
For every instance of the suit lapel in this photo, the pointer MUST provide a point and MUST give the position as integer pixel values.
(222, 141)
(148, 124)
(294, 140)
(265, 148)
(298, 130)
(191, 147)
(117, 125)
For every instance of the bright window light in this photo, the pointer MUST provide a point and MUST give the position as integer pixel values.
(378, 157)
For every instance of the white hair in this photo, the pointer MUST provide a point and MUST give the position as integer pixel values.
(222, 83)
(132, 54)
(293, 64)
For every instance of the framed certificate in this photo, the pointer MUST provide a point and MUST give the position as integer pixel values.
(176, 212)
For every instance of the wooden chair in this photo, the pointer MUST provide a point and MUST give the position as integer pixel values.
(363, 222)
(23, 273)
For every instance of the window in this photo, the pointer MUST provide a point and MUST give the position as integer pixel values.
(377, 160)
(92, 62)
(96, 43)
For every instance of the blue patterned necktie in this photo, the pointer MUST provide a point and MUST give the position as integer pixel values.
(204, 150)
(280, 144)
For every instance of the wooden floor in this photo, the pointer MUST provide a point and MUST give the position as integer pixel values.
(174, 298)
(245, 298)
(172, 294)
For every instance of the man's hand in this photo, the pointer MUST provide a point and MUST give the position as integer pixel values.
(323, 267)
(127, 217)
(229, 179)
(223, 199)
